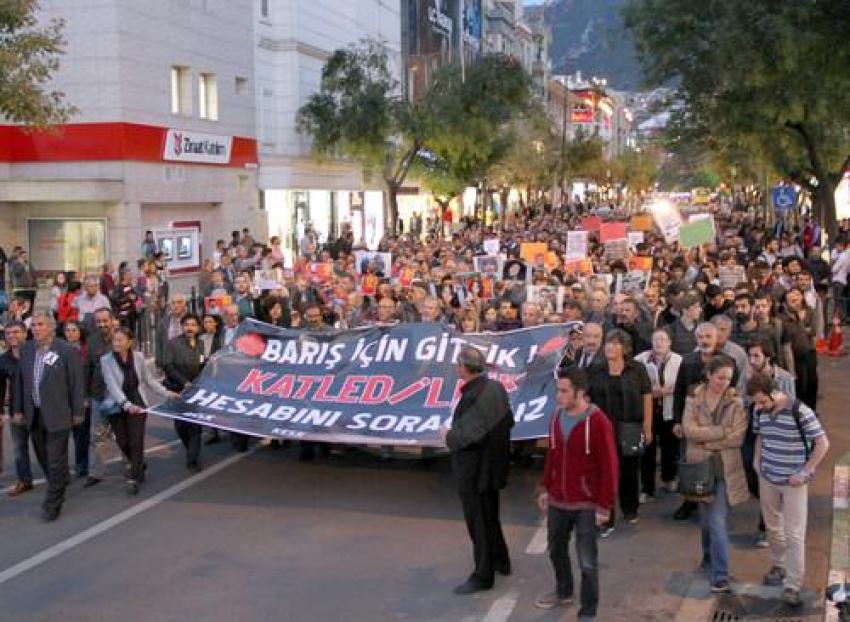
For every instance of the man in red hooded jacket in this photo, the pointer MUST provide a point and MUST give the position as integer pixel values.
(578, 488)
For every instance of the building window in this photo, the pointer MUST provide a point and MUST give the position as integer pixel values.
(207, 96)
(264, 8)
(241, 85)
(181, 90)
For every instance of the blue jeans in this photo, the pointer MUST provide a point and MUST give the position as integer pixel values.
(21, 441)
(715, 535)
(561, 524)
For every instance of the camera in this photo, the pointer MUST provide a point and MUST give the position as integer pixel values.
(839, 595)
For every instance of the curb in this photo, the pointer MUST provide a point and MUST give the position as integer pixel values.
(839, 563)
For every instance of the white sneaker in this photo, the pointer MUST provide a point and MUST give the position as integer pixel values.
(645, 498)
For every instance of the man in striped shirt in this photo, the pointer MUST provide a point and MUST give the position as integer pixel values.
(790, 444)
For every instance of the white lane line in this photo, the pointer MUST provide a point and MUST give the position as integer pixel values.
(149, 450)
(539, 542)
(502, 608)
(105, 525)
(697, 603)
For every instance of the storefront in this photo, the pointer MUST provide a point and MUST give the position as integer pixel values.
(291, 213)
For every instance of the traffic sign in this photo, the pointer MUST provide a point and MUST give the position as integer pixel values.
(784, 198)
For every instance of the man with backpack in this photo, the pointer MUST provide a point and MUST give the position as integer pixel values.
(790, 444)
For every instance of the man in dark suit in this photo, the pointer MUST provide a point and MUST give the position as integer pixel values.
(479, 441)
(49, 400)
(590, 356)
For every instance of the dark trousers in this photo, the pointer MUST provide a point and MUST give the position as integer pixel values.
(129, 433)
(629, 492)
(190, 435)
(239, 441)
(481, 513)
(21, 443)
(560, 527)
(806, 366)
(82, 438)
(663, 439)
(51, 449)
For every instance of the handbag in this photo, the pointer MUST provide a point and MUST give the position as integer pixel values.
(697, 479)
(630, 439)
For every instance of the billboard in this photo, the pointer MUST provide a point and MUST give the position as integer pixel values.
(583, 107)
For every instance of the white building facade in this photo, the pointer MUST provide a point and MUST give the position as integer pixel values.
(294, 39)
(164, 139)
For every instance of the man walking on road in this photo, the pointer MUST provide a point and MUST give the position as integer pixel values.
(577, 490)
(790, 444)
(479, 441)
(49, 400)
(99, 343)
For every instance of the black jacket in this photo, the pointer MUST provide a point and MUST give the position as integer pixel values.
(97, 347)
(182, 363)
(8, 376)
(682, 340)
(480, 438)
(635, 384)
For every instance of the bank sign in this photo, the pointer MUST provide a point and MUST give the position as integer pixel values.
(183, 146)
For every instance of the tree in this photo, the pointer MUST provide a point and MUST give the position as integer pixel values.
(29, 56)
(473, 121)
(359, 113)
(769, 75)
(532, 158)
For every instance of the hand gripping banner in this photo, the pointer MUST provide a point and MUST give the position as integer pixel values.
(388, 385)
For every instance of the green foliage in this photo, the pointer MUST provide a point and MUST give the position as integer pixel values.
(452, 136)
(584, 158)
(29, 56)
(636, 169)
(764, 77)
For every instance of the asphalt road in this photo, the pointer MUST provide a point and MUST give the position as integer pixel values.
(261, 536)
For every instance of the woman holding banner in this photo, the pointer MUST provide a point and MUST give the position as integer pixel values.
(125, 373)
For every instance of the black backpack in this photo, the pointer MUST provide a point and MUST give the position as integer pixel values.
(795, 412)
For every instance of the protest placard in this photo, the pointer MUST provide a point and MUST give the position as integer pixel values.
(611, 231)
(697, 232)
(635, 238)
(642, 222)
(576, 244)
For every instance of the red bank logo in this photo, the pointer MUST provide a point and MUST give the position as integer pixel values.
(178, 143)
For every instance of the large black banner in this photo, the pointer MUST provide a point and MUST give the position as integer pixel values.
(388, 385)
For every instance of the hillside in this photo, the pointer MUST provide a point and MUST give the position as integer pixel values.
(588, 35)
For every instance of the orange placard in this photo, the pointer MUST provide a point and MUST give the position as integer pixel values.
(369, 284)
(642, 222)
(639, 262)
(405, 277)
(578, 267)
(321, 272)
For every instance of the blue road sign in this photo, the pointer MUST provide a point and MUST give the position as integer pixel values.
(784, 198)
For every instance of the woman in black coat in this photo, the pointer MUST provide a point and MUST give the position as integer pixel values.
(623, 391)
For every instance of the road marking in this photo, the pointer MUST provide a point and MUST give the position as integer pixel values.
(697, 603)
(502, 608)
(539, 542)
(104, 526)
(150, 450)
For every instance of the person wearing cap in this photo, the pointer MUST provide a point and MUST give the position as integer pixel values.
(479, 441)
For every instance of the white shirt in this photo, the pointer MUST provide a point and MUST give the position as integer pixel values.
(841, 267)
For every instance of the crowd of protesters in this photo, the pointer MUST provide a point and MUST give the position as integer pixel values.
(682, 369)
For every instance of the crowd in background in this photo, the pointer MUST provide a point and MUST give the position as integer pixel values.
(684, 365)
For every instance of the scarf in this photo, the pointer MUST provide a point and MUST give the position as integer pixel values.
(130, 384)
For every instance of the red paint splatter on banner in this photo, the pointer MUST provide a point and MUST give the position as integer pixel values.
(555, 344)
(251, 344)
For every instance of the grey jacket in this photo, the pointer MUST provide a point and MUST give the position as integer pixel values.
(61, 389)
(114, 378)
